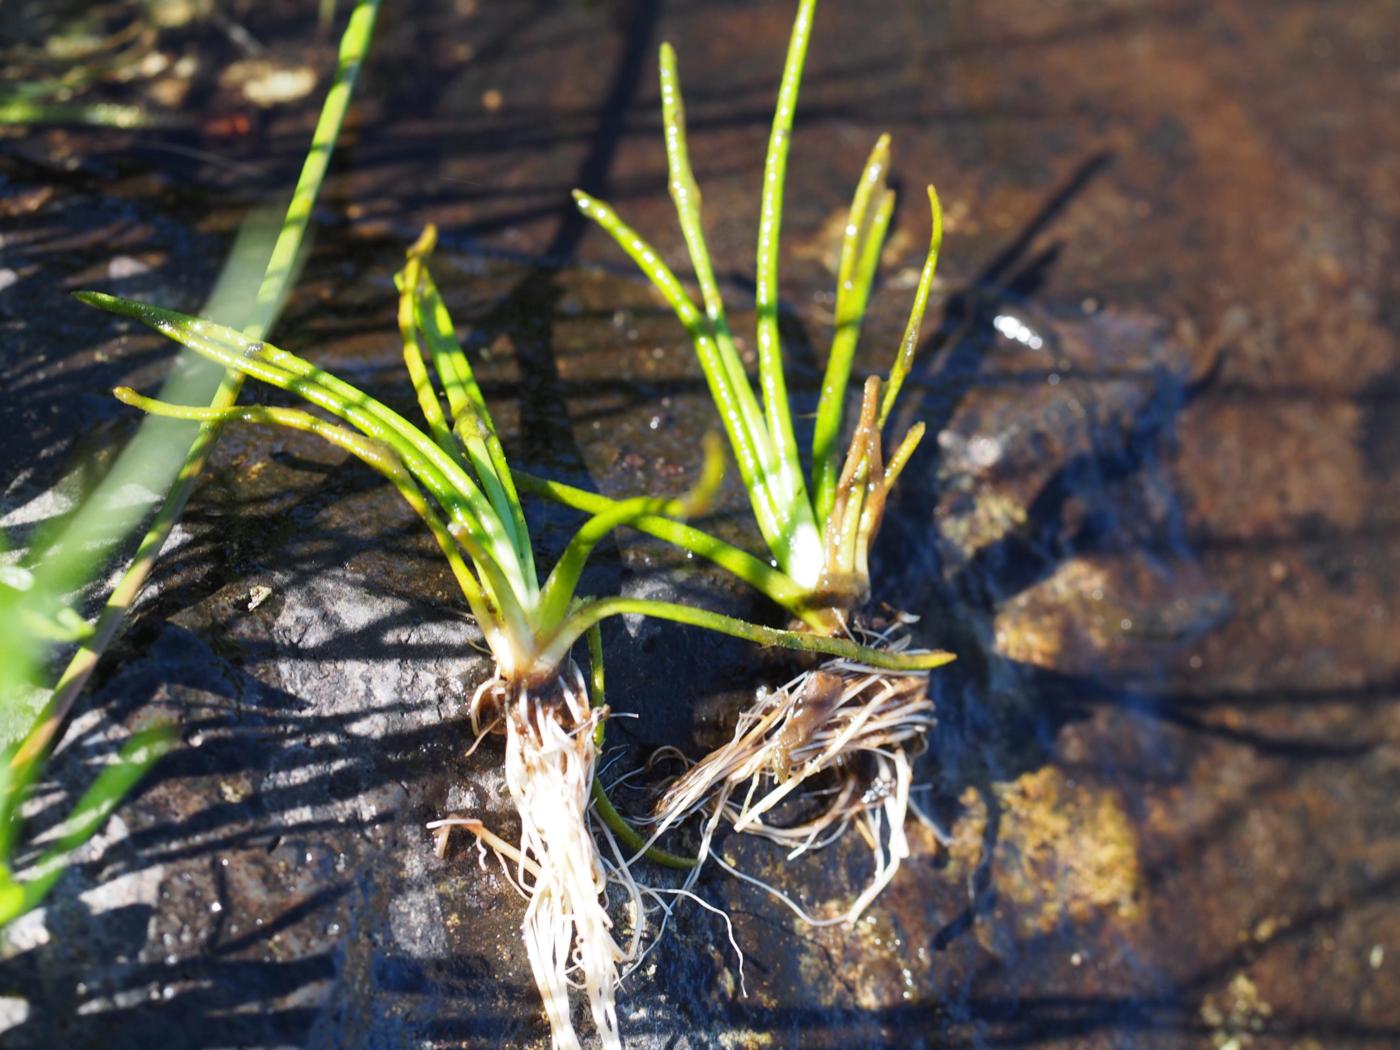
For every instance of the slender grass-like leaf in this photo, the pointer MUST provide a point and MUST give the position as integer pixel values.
(472, 422)
(91, 811)
(372, 453)
(19, 111)
(758, 574)
(472, 518)
(599, 609)
(861, 243)
(753, 449)
(354, 45)
(558, 591)
(749, 429)
(900, 370)
(770, 352)
(821, 551)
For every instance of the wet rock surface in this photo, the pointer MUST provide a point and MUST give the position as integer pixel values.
(1154, 518)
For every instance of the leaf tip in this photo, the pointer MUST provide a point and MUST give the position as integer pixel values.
(113, 304)
(427, 241)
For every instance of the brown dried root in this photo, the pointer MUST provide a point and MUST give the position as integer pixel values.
(841, 718)
(550, 758)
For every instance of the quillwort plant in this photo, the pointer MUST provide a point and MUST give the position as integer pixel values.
(818, 532)
(455, 476)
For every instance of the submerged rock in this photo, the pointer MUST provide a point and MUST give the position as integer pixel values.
(1153, 517)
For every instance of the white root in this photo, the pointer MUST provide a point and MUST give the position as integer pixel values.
(859, 723)
(549, 766)
(841, 717)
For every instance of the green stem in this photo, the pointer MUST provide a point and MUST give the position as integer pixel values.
(597, 681)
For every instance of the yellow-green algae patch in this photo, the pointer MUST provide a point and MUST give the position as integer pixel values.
(1065, 851)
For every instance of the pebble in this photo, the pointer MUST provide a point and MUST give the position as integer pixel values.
(123, 267)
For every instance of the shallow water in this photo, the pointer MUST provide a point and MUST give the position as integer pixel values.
(1154, 519)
